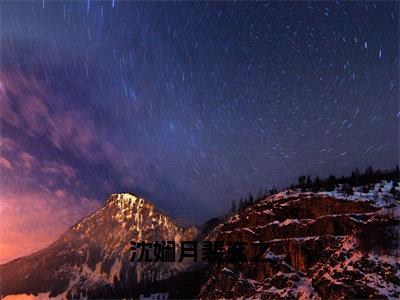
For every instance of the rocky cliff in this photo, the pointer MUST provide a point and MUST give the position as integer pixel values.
(316, 247)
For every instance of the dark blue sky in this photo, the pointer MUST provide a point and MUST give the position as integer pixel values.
(193, 105)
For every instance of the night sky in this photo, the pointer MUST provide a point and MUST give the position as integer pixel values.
(191, 105)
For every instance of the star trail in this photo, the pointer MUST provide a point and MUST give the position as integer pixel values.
(190, 104)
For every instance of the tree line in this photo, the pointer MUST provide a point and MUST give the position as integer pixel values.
(305, 183)
(250, 200)
(357, 178)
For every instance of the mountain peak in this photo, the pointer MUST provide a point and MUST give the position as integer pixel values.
(96, 251)
(124, 200)
(123, 197)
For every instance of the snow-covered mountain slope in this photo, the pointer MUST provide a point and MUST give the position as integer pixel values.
(318, 246)
(92, 257)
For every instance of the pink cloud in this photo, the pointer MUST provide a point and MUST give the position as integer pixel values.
(59, 169)
(5, 163)
(60, 193)
(31, 222)
(7, 143)
(35, 209)
(27, 160)
(26, 103)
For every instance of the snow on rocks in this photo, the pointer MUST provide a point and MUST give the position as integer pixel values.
(315, 248)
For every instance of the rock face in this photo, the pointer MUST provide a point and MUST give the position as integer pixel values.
(92, 258)
(317, 247)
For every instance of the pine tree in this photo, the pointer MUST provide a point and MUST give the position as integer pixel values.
(273, 191)
(369, 174)
(330, 183)
(317, 184)
(308, 182)
(348, 190)
(265, 193)
(251, 199)
(393, 190)
(259, 195)
(302, 181)
(241, 205)
(233, 208)
(357, 177)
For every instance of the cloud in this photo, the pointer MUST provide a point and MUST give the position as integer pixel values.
(32, 221)
(7, 143)
(27, 160)
(60, 193)
(58, 169)
(28, 104)
(5, 163)
(59, 164)
(43, 193)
